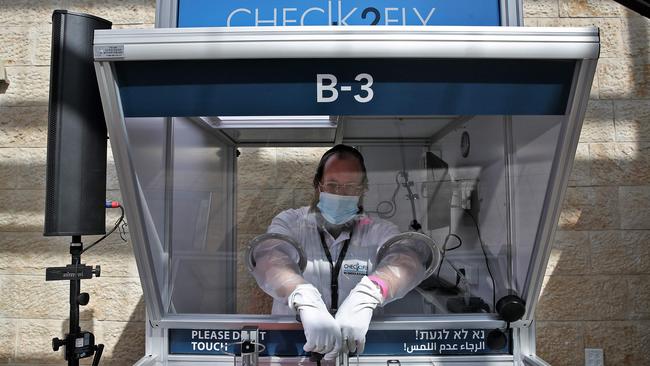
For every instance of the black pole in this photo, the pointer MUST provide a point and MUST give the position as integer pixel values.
(77, 344)
(76, 247)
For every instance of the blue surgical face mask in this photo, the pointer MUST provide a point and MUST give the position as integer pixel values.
(337, 209)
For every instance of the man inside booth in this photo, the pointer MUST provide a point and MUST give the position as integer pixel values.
(342, 284)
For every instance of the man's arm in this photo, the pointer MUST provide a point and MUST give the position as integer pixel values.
(276, 272)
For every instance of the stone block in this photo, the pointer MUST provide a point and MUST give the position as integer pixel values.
(34, 344)
(15, 45)
(531, 21)
(24, 297)
(30, 253)
(541, 8)
(22, 12)
(620, 163)
(586, 208)
(620, 342)
(611, 31)
(149, 8)
(620, 252)
(632, 120)
(639, 244)
(32, 167)
(560, 343)
(624, 78)
(297, 166)
(29, 86)
(256, 168)
(27, 167)
(22, 210)
(116, 299)
(589, 8)
(23, 126)
(562, 298)
(7, 339)
(635, 36)
(256, 208)
(117, 11)
(8, 168)
(643, 332)
(570, 253)
(42, 40)
(605, 298)
(639, 288)
(634, 207)
(581, 298)
(124, 341)
(598, 125)
(580, 172)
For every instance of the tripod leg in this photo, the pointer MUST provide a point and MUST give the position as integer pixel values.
(98, 354)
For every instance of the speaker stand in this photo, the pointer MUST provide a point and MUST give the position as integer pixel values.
(78, 344)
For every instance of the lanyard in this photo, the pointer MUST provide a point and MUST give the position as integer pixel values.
(334, 268)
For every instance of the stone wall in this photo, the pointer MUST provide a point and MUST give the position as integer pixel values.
(33, 311)
(596, 291)
(597, 286)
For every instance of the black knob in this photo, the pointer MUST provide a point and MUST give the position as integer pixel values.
(56, 343)
(496, 339)
(97, 271)
(83, 298)
(511, 308)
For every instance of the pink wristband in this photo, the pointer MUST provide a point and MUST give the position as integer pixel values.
(383, 286)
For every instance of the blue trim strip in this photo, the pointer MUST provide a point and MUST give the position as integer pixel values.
(247, 13)
(400, 87)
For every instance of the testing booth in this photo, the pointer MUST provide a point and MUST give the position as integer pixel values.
(470, 132)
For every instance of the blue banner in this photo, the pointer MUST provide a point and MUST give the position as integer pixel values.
(344, 87)
(250, 13)
(289, 343)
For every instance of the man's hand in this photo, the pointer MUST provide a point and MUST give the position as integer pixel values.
(355, 313)
(322, 332)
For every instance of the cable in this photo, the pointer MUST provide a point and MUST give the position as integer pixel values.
(445, 250)
(387, 214)
(415, 225)
(115, 227)
(487, 264)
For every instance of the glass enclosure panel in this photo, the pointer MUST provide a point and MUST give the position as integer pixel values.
(475, 185)
(203, 259)
(147, 149)
(534, 139)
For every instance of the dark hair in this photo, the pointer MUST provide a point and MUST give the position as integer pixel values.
(343, 152)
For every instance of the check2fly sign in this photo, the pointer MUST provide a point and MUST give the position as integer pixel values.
(259, 13)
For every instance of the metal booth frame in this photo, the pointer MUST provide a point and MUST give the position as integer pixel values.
(581, 44)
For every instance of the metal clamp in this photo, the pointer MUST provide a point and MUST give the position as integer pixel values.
(250, 347)
(434, 261)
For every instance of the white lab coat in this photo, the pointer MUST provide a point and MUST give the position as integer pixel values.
(368, 234)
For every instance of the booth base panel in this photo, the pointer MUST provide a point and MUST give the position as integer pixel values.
(420, 361)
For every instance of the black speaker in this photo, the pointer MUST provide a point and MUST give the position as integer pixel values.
(76, 140)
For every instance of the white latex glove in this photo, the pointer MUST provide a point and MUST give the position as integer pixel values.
(355, 313)
(322, 332)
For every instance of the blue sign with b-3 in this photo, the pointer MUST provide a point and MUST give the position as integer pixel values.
(289, 343)
(259, 13)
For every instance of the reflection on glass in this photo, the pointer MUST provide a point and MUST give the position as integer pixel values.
(479, 198)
